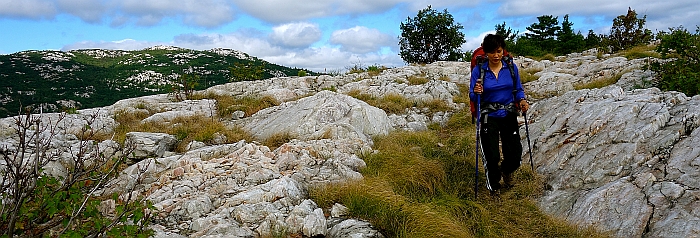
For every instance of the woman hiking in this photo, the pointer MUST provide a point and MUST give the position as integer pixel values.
(501, 99)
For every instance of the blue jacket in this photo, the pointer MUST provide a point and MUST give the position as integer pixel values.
(497, 90)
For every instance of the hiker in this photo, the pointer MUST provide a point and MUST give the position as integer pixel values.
(501, 99)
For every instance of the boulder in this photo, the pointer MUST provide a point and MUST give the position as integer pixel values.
(621, 161)
(325, 115)
(149, 144)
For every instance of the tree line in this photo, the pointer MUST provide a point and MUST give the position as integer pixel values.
(434, 36)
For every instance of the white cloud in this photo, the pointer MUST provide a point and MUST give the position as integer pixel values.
(31, 9)
(279, 11)
(296, 35)
(203, 13)
(87, 10)
(360, 39)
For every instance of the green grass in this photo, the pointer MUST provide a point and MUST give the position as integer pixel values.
(421, 184)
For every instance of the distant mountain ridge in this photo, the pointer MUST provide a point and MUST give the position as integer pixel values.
(87, 78)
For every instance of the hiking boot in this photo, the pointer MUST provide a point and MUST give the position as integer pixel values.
(508, 180)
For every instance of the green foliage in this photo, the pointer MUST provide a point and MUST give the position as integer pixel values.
(682, 72)
(185, 86)
(247, 71)
(568, 41)
(36, 204)
(543, 33)
(627, 31)
(508, 34)
(430, 36)
(592, 40)
(301, 73)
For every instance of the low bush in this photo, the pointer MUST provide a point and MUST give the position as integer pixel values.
(682, 71)
(37, 204)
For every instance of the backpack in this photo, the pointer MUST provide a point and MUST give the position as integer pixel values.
(479, 58)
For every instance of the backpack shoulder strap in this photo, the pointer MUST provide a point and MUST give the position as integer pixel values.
(509, 62)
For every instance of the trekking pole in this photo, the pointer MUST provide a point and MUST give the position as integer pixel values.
(478, 129)
(529, 148)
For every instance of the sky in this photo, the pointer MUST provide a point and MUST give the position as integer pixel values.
(320, 35)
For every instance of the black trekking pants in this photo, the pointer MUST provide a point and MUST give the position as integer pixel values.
(506, 130)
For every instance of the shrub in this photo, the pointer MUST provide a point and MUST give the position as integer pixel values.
(682, 73)
(375, 70)
(35, 204)
(184, 87)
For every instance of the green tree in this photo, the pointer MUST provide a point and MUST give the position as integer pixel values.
(628, 31)
(185, 86)
(544, 32)
(568, 41)
(507, 33)
(683, 72)
(430, 36)
(246, 72)
(592, 40)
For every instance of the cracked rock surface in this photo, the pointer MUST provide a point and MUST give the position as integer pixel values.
(627, 162)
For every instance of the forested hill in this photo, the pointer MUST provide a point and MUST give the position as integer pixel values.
(77, 79)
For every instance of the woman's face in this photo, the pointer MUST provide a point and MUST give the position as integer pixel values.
(495, 56)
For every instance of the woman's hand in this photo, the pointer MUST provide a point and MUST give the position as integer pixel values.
(478, 89)
(523, 105)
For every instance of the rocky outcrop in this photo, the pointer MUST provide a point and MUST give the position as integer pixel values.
(622, 161)
(323, 115)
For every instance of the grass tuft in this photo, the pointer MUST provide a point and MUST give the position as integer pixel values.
(641, 51)
(420, 184)
(601, 83)
(417, 80)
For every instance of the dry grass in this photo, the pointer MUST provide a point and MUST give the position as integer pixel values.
(420, 184)
(185, 129)
(390, 103)
(417, 79)
(602, 82)
(528, 75)
(227, 104)
(641, 51)
(277, 140)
